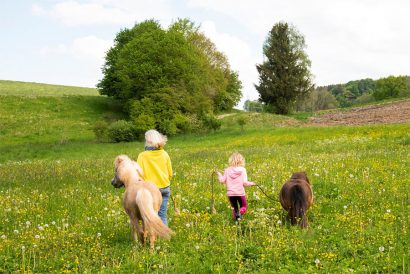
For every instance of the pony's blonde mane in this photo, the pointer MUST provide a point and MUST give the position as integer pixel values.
(127, 169)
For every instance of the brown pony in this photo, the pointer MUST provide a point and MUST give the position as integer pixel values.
(141, 201)
(296, 197)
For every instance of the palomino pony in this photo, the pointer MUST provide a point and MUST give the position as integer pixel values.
(141, 201)
(296, 197)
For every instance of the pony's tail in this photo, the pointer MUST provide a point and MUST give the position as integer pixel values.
(152, 222)
(298, 211)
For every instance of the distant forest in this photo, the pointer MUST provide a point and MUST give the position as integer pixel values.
(352, 93)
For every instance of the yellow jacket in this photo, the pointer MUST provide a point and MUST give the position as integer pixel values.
(156, 166)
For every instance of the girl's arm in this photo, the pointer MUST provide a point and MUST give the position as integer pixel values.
(221, 178)
(245, 179)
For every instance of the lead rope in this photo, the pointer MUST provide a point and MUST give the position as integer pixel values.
(176, 210)
(270, 198)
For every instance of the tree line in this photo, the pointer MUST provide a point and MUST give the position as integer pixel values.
(175, 80)
(352, 93)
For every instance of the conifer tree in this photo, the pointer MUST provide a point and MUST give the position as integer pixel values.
(285, 74)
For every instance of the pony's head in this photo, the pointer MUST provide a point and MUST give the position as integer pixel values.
(301, 175)
(125, 170)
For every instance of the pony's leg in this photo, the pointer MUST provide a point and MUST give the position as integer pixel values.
(292, 216)
(304, 221)
(152, 239)
(134, 229)
(137, 231)
(145, 232)
(140, 232)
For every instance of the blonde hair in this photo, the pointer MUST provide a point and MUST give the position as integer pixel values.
(236, 159)
(155, 139)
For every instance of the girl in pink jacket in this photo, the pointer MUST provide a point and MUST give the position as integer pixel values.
(236, 179)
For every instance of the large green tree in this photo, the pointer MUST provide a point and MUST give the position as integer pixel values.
(285, 74)
(168, 74)
(223, 84)
(390, 87)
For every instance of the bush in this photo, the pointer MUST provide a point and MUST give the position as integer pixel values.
(318, 99)
(100, 130)
(167, 127)
(182, 123)
(210, 122)
(142, 123)
(242, 122)
(121, 131)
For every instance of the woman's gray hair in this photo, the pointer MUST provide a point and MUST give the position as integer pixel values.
(155, 139)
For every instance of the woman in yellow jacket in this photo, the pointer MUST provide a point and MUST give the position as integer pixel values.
(156, 165)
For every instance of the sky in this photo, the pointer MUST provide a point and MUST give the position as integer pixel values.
(64, 41)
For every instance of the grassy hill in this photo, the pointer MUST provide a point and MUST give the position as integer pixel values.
(35, 116)
(59, 212)
(28, 89)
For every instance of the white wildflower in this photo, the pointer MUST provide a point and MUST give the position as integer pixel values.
(317, 261)
(381, 248)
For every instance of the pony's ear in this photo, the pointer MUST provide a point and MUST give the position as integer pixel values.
(306, 177)
(118, 160)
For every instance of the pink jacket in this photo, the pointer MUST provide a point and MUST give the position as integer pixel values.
(235, 179)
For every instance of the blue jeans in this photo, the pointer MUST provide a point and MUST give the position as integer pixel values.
(166, 192)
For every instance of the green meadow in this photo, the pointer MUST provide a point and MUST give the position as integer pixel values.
(59, 212)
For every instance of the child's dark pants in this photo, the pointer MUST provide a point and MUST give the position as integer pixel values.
(239, 206)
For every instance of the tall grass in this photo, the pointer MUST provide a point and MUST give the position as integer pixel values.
(359, 221)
